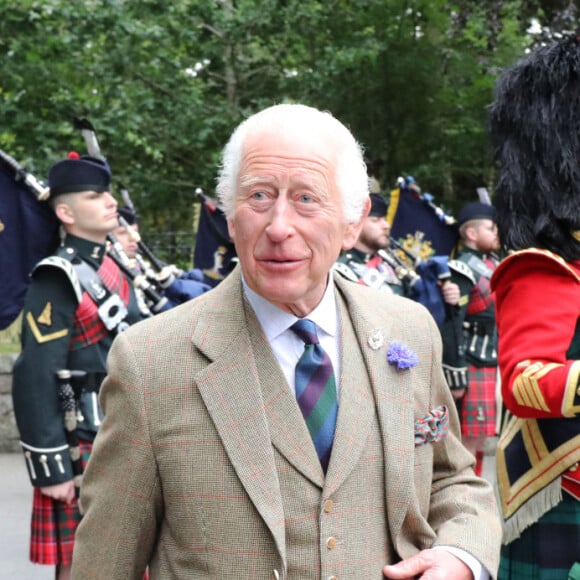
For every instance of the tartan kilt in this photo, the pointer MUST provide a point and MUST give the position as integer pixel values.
(548, 549)
(478, 407)
(54, 523)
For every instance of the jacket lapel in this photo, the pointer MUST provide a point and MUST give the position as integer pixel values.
(391, 400)
(230, 388)
(356, 410)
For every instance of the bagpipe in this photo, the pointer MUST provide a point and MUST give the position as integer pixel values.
(405, 272)
(151, 301)
(159, 286)
(29, 232)
(214, 253)
(422, 278)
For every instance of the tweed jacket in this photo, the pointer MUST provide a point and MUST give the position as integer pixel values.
(202, 440)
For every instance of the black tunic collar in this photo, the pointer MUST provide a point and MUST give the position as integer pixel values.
(87, 250)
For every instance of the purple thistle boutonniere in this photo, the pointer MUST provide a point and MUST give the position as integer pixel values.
(401, 356)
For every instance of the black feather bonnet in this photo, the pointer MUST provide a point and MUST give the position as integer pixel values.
(534, 124)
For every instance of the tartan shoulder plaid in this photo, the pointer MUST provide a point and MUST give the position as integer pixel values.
(88, 327)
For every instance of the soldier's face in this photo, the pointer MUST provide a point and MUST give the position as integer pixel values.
(123, 236)
(288, 225)
(88, 214)
(487, 236)
(375, 233)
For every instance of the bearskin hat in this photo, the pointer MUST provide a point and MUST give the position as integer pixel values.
(534, 125)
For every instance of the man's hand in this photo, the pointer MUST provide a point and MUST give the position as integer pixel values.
(458, 394)
(430, 565)
(450, 292)
(61, 491)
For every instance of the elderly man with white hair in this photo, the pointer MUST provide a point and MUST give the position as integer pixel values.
(286, 424)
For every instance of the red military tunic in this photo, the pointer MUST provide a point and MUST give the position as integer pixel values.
(537, 315)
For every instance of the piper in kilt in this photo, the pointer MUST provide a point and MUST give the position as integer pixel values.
(470, 337)
(536, 136)
(77, 301)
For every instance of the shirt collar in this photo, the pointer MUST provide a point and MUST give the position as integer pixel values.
(275, 321)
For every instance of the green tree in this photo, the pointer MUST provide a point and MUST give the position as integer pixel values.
(164, 83)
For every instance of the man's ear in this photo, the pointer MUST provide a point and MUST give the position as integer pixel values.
(64, 213)
(231, 229)
(470, 232)
(352, 230)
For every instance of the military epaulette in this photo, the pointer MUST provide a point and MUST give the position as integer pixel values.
(540, 253)
(346, 271)
(462, 268)
(66, 266)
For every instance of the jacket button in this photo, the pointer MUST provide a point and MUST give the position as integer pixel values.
(328, 505)
(276, 575)
(332, 578)
(574, 467)
(331, 543)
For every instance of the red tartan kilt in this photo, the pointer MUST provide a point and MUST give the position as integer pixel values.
(479, 410)
(54, 523)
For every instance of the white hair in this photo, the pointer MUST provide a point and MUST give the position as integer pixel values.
(350, 172)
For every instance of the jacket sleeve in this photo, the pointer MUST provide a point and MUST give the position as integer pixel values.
(121, 489)
(454, 359)
(462, 507)
(538, 308)
(47, 320)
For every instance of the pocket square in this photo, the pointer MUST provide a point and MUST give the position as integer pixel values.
(432, 427)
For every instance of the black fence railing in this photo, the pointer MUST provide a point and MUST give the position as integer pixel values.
(172, 247)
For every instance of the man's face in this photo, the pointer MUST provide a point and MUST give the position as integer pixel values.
(88, 214)
(374, 235)
(487, 239)
(288, 224)
(122, 235)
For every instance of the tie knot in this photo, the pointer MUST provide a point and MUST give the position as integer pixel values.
(306, 330)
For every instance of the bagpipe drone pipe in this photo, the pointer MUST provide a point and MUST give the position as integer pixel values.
(163, 286)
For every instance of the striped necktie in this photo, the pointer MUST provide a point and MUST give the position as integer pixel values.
(316, 390)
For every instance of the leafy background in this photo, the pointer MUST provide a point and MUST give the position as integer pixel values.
(164, 83)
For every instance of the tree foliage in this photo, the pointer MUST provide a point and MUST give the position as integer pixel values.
(164, 83)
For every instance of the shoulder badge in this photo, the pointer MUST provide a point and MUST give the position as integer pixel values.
(45, 318)
(542, 254)
(46, 315)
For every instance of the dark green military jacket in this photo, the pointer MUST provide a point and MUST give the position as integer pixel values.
(354, 265)
(470, 336)
(60, 331)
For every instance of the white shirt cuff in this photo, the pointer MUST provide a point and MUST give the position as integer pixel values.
(479, 572)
